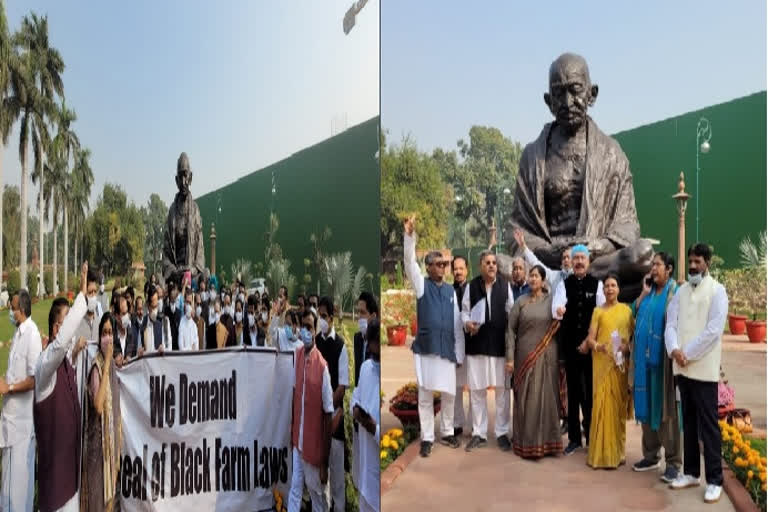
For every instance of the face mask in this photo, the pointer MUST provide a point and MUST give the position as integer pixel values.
(106, 341)
(92, 302)
(306, 337)
(204, 296)
(695, 279)
(239, 316)
(264, 316)
(13, 318)
(363, 324)
(218, 316)
(188, 310)
(126, 321)
(323, 327)
(160, 304)
(173, 308)
(289, 333)
(101, 288)
(251, 320)
(213, 294)
(153, 315)
(198, 310)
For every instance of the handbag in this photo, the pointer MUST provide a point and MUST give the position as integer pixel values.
(741, 419)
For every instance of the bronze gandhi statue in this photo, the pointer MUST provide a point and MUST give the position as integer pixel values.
(574, 186)
(183, 240)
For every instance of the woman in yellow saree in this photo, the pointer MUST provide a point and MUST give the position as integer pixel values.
(609, 338)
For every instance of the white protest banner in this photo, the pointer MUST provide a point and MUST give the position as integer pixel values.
(208, 430)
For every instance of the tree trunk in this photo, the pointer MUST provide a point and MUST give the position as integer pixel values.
(41, 286)
(74, 239)
(2, 190)
(23, 244)
(66, 249)
(55, 283)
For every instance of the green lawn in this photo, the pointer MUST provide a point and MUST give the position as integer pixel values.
(39, 316)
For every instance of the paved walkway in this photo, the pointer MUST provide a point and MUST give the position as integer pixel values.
(489, 480)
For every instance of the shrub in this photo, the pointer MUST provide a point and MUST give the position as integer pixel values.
(746, 462)
(14, 280)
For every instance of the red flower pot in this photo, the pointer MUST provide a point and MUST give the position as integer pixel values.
(410, 417)
(737, 324)
(756, 331)
(396, 335)
(414, 326)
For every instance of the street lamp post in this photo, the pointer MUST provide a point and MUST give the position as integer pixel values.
(505, 192)
(682, 200)
(703, 131)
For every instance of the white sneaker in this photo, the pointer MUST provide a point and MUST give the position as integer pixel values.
(684, 481)
(712, 494)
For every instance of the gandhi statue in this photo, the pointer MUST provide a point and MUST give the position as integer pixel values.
(183, 244)
(575, 187)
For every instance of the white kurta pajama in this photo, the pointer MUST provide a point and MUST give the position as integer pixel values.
(17, 432)
(487, 371)
(434, 373)
(366, 448)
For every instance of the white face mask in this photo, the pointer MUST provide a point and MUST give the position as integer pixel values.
(323, 324)
(160, 304)
(198, 310)
(126, 321)
(101, 288)
(153, 315)
(264, 316)
(204, 296)
(173, 307)
(92, 304)
(251, 320)
(239, 316)
(695, 279)
(363, 325)
(188, 310)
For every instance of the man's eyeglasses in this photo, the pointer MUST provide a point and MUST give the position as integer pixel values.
(442, 264)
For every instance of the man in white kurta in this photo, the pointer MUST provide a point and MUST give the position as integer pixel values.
(17, 432)
(693, 338)
(189, 338)
(439, 345)
(492, 296)
(367, 400)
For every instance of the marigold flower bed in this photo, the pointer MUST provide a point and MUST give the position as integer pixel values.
(746, 463)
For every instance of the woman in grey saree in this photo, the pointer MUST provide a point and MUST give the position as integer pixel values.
(532, 359)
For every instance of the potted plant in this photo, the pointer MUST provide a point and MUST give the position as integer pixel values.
(414, 326)
(753, 256)
(405, 405)
(397, 309)
(754, 290)
(733, 280)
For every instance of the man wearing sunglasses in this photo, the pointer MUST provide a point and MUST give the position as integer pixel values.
(439, 345)
(486, 303)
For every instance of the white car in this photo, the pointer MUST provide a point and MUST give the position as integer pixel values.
(257, 285)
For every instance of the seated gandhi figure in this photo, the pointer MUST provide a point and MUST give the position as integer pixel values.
(574, 187)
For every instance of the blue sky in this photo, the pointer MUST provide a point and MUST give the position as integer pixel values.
(237, 85)
(447, 65)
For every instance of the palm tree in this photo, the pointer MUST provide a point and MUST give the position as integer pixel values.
(68, 143)
(80, 194)
(10, 104)
(56, 191)
(43, 65)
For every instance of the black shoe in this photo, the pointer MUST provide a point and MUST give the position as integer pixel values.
(450, 441)
(572, 447)
(426, 448)
(504, 443)
(476, 442)
(646, 465)
(670, 475)
(458, 431)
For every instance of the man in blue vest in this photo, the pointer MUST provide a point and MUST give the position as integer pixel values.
(439, 344)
